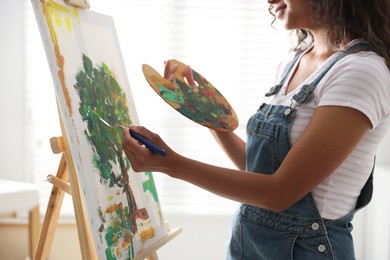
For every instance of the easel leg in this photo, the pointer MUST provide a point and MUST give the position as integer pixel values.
(33, 230)
(65, 172)
(52, 214)
(88, 251)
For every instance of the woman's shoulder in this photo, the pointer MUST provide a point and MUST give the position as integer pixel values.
(365, 69)
(365, 63)
(360, 80)
(365, 57)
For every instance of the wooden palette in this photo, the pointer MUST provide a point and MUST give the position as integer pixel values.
(203, 103)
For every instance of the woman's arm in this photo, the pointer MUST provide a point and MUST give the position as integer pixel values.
(233, 146)
(330, 137)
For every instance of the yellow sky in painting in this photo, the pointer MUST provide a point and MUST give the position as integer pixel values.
(57, 14)
(62, 14)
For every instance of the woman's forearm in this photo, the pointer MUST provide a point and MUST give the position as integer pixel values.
(233, 146)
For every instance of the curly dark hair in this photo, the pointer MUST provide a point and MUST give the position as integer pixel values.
(345, 20)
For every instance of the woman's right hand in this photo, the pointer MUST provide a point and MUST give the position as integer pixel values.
(141, 158)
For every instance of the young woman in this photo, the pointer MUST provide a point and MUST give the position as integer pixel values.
(307, 164)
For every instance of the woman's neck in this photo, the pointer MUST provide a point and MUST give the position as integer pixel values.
(322, 48)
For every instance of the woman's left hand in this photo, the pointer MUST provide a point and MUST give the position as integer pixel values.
(170, 70)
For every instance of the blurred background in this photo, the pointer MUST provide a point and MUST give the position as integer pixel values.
(231, 43)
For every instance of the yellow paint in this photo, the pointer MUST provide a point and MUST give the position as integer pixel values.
(59, 12)
(58, 20)
(147, 234)
(118, 252)
(68, 24)
(111, 208)
(55, 11)
(126, 241)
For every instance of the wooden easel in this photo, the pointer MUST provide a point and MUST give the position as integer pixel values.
(66, 181)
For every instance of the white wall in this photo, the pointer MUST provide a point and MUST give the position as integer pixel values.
(371, 225)
(11, 99)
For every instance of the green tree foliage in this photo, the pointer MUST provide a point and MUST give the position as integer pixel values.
(101, 94)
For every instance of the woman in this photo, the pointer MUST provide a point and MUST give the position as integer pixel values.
(307, 165)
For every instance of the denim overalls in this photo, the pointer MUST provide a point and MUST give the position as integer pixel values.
(298, 232)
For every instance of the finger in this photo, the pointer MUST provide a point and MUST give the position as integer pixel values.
(144, 132)
(167, 68)
(170, 70)
(187, 72)
(128, 142)
(151, 140)
(134, 150)
(126, 132)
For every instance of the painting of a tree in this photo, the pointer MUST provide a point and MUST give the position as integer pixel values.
(100, 94)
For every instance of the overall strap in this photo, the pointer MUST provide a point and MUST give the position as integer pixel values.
(366, 192)
(307, 89)
(275, 89)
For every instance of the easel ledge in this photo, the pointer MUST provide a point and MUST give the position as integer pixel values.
(150, 253)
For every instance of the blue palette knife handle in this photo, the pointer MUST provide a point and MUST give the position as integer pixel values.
(154, 148)
(148, 144)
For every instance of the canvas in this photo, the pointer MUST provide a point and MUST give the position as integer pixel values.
(90, 79)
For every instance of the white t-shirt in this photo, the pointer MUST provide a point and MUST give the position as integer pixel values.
(360, 81)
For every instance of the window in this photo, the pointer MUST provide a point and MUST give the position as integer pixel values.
(229, 42)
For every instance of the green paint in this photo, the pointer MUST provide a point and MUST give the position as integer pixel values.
(200, 103)
(117, 233)
(100, 92)
(173, 96)
(150, 186)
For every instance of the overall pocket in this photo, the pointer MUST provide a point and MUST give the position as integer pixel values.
(261, 147)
